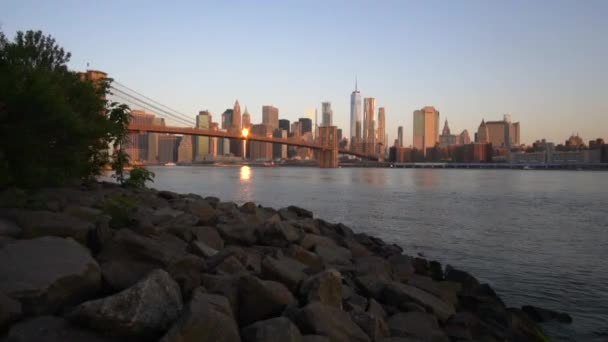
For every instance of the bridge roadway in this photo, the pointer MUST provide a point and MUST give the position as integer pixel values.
(250, 137)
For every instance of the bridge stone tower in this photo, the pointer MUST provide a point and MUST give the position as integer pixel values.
(328, 136)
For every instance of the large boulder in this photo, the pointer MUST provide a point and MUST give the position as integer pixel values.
(284, 270)
(9, 228)
(303, 213)
(328, 321)
(334, 255)
(144, 310)
(375, 327)
(309, 241)
(238, 234)
(402, 266)
(399, 293)
(280, 234)
(447, 291)
(45, 223)
(324, 287)
(52, 329)
(206, 214)
(468, 282)
(224, 285)
(371, 286)
(130, 256)
(307, 258)
(545, 315)
(373, 265)
(47, 273)
(279, 329)
(418, 325)
(261, 299)
(10, 310)
(206, 318)
(186, 271)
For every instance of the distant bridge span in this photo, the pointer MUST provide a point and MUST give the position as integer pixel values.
(133, 127)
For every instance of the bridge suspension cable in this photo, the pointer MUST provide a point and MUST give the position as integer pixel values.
(136, 102)
(178, 113)
(139, 100)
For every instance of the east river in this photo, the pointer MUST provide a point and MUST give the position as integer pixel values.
(538, 237)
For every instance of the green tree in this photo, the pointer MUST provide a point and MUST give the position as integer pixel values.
(55, 126)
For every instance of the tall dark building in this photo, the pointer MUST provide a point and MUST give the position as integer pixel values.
(284, 124)
(306, 125)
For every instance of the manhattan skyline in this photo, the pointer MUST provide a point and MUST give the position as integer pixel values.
(543, 63)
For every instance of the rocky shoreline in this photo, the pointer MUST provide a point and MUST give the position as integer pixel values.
(105, 263)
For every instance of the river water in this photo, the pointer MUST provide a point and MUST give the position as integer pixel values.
(538, 237)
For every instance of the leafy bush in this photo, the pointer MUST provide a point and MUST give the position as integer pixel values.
(119, 208)
(138, 177)
(55, 126)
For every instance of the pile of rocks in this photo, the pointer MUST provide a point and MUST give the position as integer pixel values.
(75, 266)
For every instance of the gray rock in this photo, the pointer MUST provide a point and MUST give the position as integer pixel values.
(168, 195)
(9, 228)
(545, 315)
(314, 338)
(280, 234)
(259, 299)
(305, 257)
(375, 309)
(287, 214)
(334, 255)
(202, 249)
(47, 273)
(300, 211)
(402, 266)
(206, 318)
(51, 329)
(144, 310)
(416, 324)
(373, 265)
(248, 207)
(224, 285)
(240, 234)
(328, 321)
(204, 211)
(5, 240)
(83, 212)
(371, 286)
(309, 241)
(279, 329)
(229, 265)
(468, 282)
(357, 249)
(208, 235)
(10, 310)
(324, 287)
(447, 291)
(375, 327)
(45, 223)
(186, 271)
(129, 256)
(399, 293)
(284, 270)
(355, 302)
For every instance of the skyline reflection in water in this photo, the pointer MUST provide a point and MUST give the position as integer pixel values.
(535, 236)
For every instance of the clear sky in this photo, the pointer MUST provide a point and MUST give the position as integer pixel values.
(543, 62)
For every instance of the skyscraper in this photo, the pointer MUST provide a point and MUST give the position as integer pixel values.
(426, 128)
(246, 119)
(305, 125)
(270, 116)
(447, 138)
(355, 116)
(381, 133)
(327, 113)
(502, 133)
(369, 132)
(236, 116)
(400, 136)
(284, 124)
(201, 149)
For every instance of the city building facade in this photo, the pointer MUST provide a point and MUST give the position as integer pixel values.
(425, 128)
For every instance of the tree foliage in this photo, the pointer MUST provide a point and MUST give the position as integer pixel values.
(55, 125)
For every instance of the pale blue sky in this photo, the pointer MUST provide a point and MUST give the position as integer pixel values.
(544, 62)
